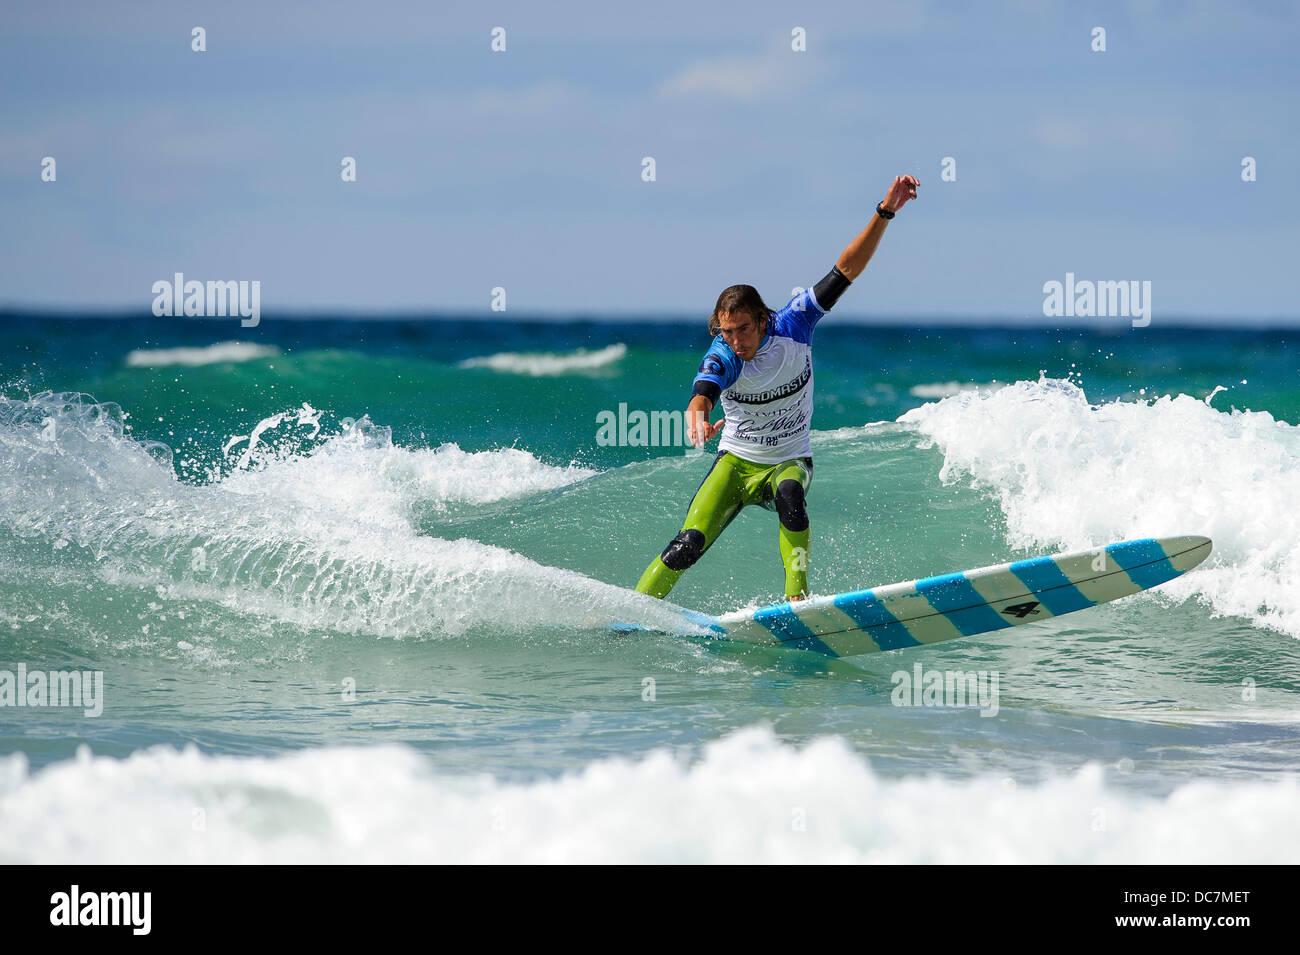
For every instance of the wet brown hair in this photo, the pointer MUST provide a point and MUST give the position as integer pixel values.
(739, 298)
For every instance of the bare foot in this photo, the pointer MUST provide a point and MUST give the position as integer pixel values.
(797, 597)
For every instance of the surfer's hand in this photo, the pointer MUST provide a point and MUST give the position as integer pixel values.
(903, 189)
(698, 429)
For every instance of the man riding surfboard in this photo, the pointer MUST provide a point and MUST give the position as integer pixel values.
(760, 367)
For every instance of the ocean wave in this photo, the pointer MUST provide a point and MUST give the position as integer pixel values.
(361, 470)
(1071, 474)
(748, 798)
(323, 538)
(546, 364)
(207, 355)
(946, 389)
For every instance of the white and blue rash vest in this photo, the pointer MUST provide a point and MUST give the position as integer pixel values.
(768, 400)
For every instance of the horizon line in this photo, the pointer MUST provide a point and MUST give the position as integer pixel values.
(675, 318)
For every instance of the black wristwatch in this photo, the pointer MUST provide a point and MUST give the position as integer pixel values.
(884, 213)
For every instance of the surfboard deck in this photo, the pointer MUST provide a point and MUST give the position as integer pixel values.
(948, 606)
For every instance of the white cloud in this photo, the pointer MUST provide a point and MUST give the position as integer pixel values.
(737, 78)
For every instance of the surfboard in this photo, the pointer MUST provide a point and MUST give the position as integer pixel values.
(936, 609)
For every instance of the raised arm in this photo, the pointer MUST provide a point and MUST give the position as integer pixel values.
(854, 259)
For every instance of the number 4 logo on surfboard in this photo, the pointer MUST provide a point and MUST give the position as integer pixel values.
(1021, 611)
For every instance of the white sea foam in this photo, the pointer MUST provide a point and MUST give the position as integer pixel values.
(946, 389)
(361, 471)
(207, 355)
(325, 538)
(855, 433)
(1071, 474)
(545, 364)
(746, 798)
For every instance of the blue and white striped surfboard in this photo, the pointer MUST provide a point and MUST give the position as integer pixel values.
(935, 609)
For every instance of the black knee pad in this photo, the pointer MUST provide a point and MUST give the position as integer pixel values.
(790, 505)
(683, 550)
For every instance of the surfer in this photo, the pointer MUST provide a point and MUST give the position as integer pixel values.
(760, 366)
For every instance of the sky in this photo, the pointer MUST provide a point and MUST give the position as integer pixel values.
(524, 169)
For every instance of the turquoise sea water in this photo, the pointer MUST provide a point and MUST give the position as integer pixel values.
(348, 584)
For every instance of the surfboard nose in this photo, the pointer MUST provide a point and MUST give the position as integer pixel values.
(1186, 552)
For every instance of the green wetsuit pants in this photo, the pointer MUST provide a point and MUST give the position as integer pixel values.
(733, 482)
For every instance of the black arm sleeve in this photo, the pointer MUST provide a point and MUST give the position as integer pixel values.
(709, 390)
(828, 290)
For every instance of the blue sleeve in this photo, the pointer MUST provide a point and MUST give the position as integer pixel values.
(799, 316)
(720, 368)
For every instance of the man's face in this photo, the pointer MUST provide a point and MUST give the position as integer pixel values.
(742, 332)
